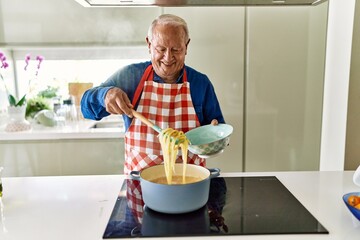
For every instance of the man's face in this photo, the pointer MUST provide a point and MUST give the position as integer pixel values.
(168, 48)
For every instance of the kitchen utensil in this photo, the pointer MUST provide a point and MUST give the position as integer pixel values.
(353, 210)
(146, 121)
(206, 141)
(209, 140)
(175, 198)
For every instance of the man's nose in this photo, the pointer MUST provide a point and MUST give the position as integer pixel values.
(168, 54)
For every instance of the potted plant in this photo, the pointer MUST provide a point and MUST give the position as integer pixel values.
(17, 107)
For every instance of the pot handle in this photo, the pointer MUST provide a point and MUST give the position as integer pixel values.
(135, 175)
(136, 232)
(214, 172)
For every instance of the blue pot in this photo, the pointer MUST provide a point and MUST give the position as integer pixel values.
(157, 224)
(175, 198)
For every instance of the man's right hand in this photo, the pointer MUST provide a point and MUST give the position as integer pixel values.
(117, 102)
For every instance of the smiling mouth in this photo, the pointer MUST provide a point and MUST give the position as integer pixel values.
(167, 64)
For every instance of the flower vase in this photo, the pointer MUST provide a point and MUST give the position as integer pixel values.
(17, 121)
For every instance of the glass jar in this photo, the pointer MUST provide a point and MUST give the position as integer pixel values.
(67, 110)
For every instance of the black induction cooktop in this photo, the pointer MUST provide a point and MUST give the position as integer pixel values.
(236, 206)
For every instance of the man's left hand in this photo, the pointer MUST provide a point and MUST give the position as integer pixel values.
(214, 122)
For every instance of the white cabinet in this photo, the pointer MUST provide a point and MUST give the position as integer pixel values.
(284, 84)
(62, 157)
(267, 67)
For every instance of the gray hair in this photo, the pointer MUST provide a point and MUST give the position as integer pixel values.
(171, 20)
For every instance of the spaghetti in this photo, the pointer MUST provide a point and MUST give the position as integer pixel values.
(171, 140)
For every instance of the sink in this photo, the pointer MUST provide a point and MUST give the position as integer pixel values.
(108, 124)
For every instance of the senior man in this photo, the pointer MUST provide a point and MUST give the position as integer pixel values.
(164, 90)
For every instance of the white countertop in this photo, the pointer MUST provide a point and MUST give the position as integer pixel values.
(79, 207)
(72, 130)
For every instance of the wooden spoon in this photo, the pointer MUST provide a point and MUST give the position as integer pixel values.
(146, 121)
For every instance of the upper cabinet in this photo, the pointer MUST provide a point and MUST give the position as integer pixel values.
(53, 22)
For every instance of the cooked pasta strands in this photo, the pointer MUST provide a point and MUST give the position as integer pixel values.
(184, 147)
(171, 140)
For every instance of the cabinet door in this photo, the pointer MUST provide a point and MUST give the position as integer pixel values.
(62, 157)
(92, 156)
(284, 85)
(217, 50)
(30, 158)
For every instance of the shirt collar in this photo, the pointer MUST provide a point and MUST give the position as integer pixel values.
(159, 79)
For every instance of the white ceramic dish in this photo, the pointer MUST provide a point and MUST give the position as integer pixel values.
(209, 139)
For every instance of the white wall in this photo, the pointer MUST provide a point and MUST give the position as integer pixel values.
(336, 88)
(352, 148)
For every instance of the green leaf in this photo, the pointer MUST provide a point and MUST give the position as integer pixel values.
(49, 92)
(12, 100)
(22, 101)
(35, 105)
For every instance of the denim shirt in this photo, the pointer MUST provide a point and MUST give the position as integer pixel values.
(202, 93)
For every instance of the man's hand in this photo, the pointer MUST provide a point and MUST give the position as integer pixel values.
(214, 122)
(117, 102)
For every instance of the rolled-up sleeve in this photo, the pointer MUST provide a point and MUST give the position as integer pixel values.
(92, 103)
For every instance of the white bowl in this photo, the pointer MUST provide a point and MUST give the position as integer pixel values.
(209, 139)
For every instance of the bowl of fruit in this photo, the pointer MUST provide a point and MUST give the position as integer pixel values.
(352, 201)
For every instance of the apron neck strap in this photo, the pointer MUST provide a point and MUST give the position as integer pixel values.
(148, 75)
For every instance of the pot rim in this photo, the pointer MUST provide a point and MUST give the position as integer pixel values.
(210, 173)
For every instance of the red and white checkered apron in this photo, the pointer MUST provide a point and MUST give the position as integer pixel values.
(166, 105)
(135, 201)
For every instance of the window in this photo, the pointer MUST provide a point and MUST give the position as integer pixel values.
(58, 73)
(64, 65)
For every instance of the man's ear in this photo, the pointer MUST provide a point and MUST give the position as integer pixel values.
(148, 43)
(186, 45)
